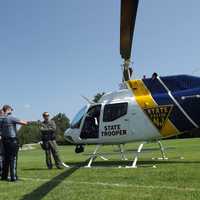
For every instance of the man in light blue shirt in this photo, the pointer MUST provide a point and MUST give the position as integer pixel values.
(8, 127)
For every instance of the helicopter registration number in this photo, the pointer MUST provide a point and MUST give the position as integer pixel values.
(113, 130)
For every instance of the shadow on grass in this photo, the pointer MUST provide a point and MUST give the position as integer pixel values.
(35, 169)
(142, 163)
(170, 162)
(45, 188)
(150, 149)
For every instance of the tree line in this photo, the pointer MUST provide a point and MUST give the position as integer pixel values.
(31, 133)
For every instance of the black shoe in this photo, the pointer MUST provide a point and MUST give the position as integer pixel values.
(49, 167)
(59, 167)
(13, 179)
(4, 178)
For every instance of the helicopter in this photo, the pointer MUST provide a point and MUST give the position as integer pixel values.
(145, 110)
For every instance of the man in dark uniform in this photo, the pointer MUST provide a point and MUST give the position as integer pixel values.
(48, 129)
(10, 143)
(1, 144)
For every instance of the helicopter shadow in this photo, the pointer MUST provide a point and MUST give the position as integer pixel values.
(143, 163)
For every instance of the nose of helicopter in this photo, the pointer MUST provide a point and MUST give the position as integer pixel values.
(68, 135)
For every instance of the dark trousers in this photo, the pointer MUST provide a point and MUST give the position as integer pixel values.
(51, 149)
(1, 157)
(11, 147)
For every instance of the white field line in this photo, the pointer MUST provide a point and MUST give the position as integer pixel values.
(120, 185)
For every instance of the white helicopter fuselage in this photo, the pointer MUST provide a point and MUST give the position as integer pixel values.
(126, 115)
(133, 126)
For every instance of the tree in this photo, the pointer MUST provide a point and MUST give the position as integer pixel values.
(62, 123)
(29, 134)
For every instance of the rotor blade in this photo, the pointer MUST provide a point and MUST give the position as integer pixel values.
(128, 18)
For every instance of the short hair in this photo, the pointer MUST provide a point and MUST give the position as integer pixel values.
(45, 114)
(6, 107)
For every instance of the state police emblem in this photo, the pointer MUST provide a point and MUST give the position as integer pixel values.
(159, 115)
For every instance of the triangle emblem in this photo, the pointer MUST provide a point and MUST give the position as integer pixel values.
(159, 115)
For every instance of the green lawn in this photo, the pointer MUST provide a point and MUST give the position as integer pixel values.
(171, 179)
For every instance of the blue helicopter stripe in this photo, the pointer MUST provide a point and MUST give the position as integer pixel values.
(191, 103)
(161, 97)
(189, 100)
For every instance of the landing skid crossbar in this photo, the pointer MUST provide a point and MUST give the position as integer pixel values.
(122, 153)
(134, 164)
(94, 155)
(162, 151)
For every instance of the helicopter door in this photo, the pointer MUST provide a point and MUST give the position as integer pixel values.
(115, 120)
(91, 124)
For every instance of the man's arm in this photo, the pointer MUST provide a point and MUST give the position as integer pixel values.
(23, 122)
(43, 127)
(52, 126)
(19, 121)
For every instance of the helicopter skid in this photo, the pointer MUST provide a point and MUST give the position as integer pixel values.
(94, 156)
(134, 165)
(160, 158)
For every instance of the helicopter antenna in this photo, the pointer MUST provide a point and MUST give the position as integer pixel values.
(87, 99)
(127, 26)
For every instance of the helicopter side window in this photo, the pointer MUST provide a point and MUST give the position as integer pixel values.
(114, 111)
(76, 122)
(91, 124)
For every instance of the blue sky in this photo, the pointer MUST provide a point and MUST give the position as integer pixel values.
(52, 52)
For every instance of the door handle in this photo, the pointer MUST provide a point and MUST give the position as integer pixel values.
(126, 120)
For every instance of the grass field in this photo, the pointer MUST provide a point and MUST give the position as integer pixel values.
(172, 179)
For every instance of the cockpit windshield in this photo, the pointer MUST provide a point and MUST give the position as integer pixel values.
(76, 122)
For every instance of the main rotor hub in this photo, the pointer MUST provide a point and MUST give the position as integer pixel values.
(127, 70)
